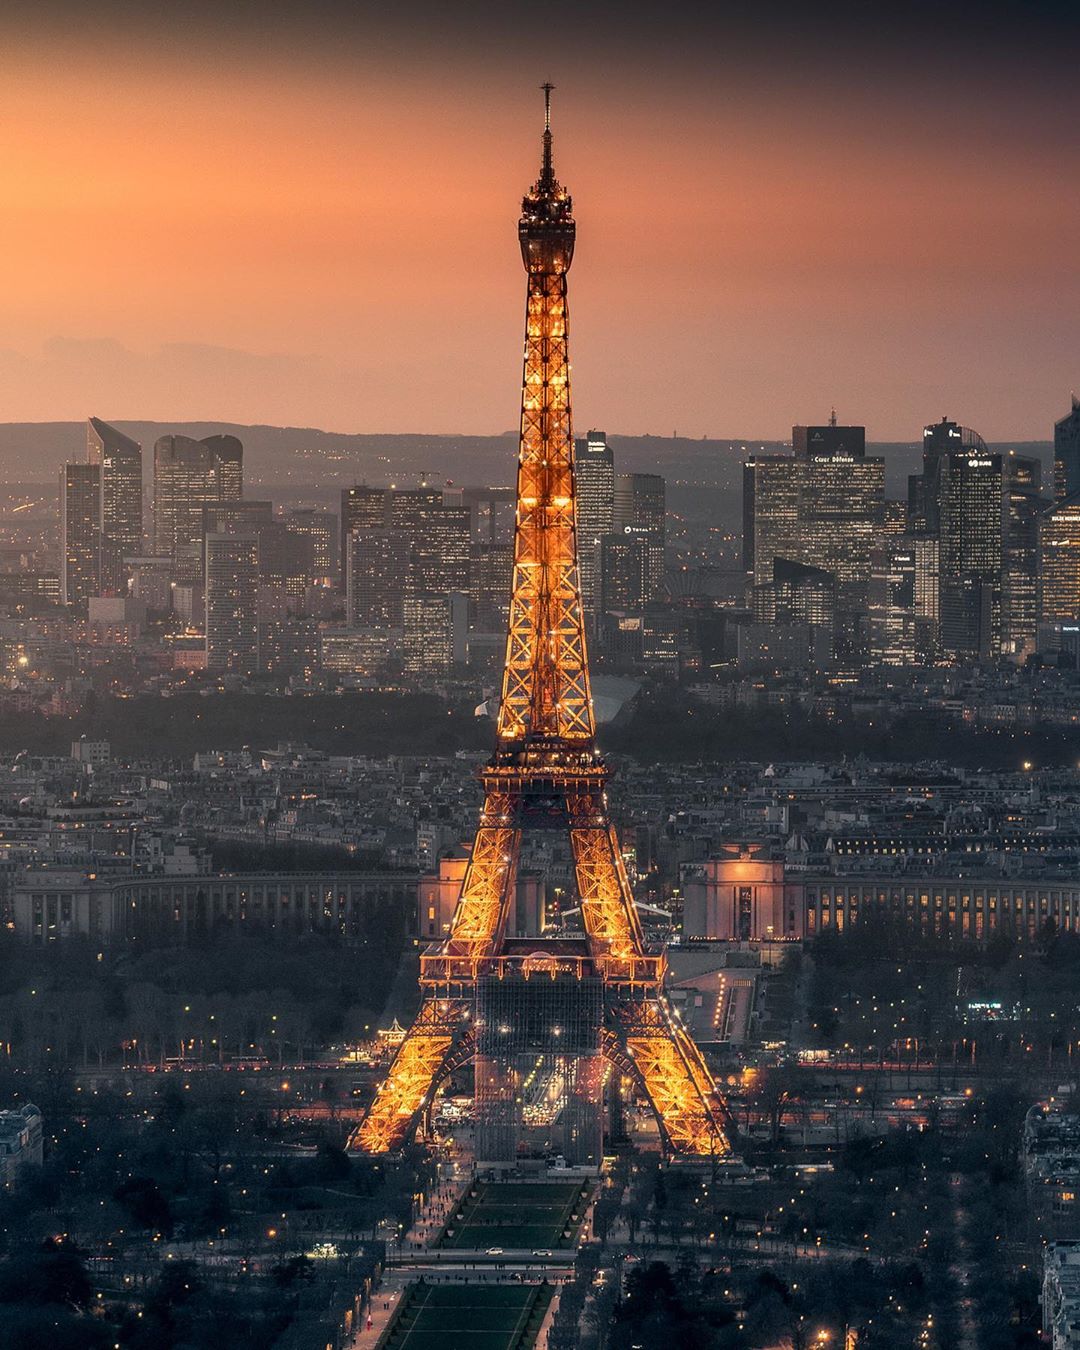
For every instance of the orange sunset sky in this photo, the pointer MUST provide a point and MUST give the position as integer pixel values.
(306, 215)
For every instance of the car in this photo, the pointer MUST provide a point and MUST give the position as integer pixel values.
(543, 1253)
(494, 1251)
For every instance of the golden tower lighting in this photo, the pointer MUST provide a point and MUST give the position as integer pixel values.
(546, 772)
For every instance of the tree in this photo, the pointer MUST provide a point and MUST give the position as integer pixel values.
(143, 1200)
(775, 1090)
(54, 1273)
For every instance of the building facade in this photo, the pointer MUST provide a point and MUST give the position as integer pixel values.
(639, 510)
(1059, 561)
(970, 563)
(120, 501)
(232, 599)
(594, 484)
(1023, 507)
(744, 897)
(190, 475)
(21, 1142)
(1067, 453)
(48, 907)
(80, 532)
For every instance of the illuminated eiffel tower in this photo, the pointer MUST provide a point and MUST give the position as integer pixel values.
(540, 1016)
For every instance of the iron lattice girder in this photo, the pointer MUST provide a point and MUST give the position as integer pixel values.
(545, 771)
(669, 1068)
(417, 1066)
(546, 679)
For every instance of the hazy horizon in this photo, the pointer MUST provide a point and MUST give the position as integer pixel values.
(310, 218)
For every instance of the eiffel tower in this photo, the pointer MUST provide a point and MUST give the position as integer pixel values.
(542, 1018)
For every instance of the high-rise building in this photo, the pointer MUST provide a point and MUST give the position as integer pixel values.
(285, 558)
(772, 487)
(376, 569)
(625, 577)
(408, 541)
(414, 510)
(227, 453)
(80, 532)
(1059, 553)
(639, 508)
(823, 507)
(894, 521)
(829, 442)
(232, 595)
(288, 648)
(321, 527)
(362, 508)
(925, 488)
(440, 538)
(285, 555)
(594, 483)
(892, 620)
(1022, 479)
(970, 516)
(188, 476)
(120, 501)
(841, 506)
(235, 517)
(428, 631)
(1067, 453)
(494, 513)
(797, 594)
(927, 550)
(150, 582)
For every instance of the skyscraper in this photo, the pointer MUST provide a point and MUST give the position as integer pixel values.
(362, 508)
(493, 512)
(772, 486)
(1067, 453)
(625, 578)
(830, 442)
(1022, 477)
(188, 476)
(440, 540)
(428, 631)
(235, 517)
(376, 568)
(232, 594)
(841, 507)
(80, 532)
(822, 507)
(970, 514)
(1059, 549)
(892, 617)
(924, 489)
(321, 527)
(640, 508)
(227, 454)
(594, 472)
(120, 502)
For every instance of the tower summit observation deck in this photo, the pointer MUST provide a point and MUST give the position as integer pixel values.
(543, 1019)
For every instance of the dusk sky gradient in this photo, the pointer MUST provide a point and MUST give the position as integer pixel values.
(307, 214)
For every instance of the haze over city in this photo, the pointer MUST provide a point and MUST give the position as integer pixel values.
(302, 218)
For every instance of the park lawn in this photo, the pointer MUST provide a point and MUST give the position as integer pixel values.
(518, 1216)
(468, 1317)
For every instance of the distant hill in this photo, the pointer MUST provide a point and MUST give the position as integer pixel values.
(285, 458)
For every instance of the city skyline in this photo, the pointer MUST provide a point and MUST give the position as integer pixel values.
(602, 913)
(257, 248)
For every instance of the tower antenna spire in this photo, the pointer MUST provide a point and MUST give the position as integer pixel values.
(547, 173)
